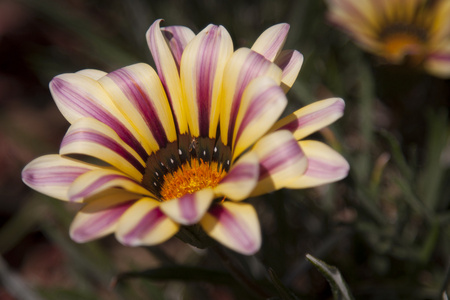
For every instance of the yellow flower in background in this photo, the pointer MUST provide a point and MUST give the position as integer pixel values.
(417, 31)
(184, 146)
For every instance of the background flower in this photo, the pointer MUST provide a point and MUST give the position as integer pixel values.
(416, 31)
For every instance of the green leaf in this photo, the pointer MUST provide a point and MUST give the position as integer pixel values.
(433, 171)
(397, 155)
(334, 278)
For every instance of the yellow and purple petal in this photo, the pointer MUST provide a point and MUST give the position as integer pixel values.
(137, 91)
(53, 174)
(234, 225)
(168, 73)
(241, 179)
(190, 208)
(325, 165)
(262, 104)
(78, 96)
(144, 223)
(201, 71)
(177, 38)
(438, 62)
(243, 66)
(90, 137)
(100, 180)
(271, 41)
(92, 73)
(281, 160)
(312, 117)
(100, 217)
(290, 62)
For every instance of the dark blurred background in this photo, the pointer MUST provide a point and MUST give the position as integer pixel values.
(386, 226)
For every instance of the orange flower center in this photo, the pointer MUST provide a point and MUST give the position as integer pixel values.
(186, 166)
(398, 45)
(401, 40)
(191, 177)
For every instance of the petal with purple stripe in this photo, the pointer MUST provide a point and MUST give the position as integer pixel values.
(90, 137)
(190, 208)
(262, 104)
(281, 160)
(94, 221)
(325, 165)
(144, 223)
(177, 38)
(201, 72)
(235, 225)
(290, 62)
(312, 117)
(53, 174)
(271, 41)
(92, 73)
(242, 67)
(438, 63)
(356, 15)
(137, 91)
(241, 179)
(168, 73)
(97, 181)
(78, 96)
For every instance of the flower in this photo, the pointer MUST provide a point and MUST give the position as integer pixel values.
(418, 30)
(183, 147)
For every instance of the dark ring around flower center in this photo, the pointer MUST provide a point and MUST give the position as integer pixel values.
(414, 30)
(183, 152)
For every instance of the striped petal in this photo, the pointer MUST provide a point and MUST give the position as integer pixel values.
(281, 161)
(235, 225)
(78, 96)
(243, 66)
(99, 218)
(168, 73)
(53, 174)
(438, 63)
(325, 165)
(97, 181)
(177, 38)
(312, 117)
(144, 223)
(241, 179)
(262, 104)
(271, 41)
(92, 73)
(137, 91)
(190, 208)
(201, 74)
(90, 137)
(290, 62)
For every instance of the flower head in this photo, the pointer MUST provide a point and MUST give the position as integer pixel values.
(416, 30)
(184, 146)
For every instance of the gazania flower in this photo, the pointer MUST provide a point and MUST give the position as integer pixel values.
(183, 147)
(418, 30)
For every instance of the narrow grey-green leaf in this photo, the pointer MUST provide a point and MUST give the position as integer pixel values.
(334, 278)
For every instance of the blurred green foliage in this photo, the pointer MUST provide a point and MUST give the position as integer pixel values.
(385, 227)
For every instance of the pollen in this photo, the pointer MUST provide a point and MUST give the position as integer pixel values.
(191, 177)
